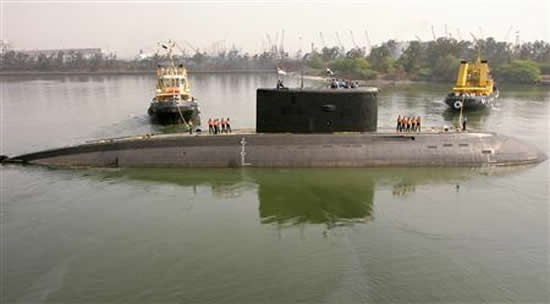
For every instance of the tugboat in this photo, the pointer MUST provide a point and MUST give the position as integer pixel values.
(475, 88)
(173, 102)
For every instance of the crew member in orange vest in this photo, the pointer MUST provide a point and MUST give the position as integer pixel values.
(398, 128)
(227, 125)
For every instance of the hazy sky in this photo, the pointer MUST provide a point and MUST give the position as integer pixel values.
(127, 26)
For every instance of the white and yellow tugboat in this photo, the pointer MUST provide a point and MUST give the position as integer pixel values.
(173, 102)
(475, 88)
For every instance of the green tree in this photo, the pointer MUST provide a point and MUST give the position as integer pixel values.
(446, 68)
(9, 60)
(199, 58)
(353, 67)
(42, 63)
(381, 57)
(411, 59)
(356, 53)
(315, 61)
(524, 71)
(328, 54)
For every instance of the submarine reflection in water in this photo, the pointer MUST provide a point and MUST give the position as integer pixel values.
(290, 197)
(329, 196)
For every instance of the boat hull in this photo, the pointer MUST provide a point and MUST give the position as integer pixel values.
(471, 102)
(295, 151)
(173, 112)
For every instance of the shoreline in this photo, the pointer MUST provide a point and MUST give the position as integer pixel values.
(143, 72)
(380, 83)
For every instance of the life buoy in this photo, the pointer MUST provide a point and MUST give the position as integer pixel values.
(457, 104)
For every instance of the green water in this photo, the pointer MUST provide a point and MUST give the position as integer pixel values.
(255, 236)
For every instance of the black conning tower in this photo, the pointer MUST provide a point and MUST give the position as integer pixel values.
(316, 111)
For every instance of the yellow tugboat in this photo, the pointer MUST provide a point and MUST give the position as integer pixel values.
(475, 88)
(173, 101)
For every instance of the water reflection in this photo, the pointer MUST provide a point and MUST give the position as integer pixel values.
(289, 197)
(319, 196)
(403, 189)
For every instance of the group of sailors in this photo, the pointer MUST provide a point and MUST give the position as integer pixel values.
(219, 126)
(408, 124)
(343, 84)
(334, 84)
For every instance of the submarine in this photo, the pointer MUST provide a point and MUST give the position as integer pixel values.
(299, 128)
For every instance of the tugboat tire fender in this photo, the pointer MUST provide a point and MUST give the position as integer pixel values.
(457, 104)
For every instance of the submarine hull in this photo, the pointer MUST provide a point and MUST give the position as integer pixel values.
(295, 150)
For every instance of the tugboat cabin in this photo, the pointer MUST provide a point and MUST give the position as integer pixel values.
(474, 79)
(172, 83)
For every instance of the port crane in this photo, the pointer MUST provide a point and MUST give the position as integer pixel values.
(353, 39)
(508, 33)
(368, 40)
(340, 42)
(322, 39)
(196, 50)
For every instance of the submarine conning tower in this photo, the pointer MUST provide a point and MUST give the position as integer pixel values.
(316, 110)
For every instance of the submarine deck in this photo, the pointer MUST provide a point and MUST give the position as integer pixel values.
(245, 148)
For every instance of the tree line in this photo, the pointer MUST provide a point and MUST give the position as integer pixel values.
(435, 60)
(74, 61)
